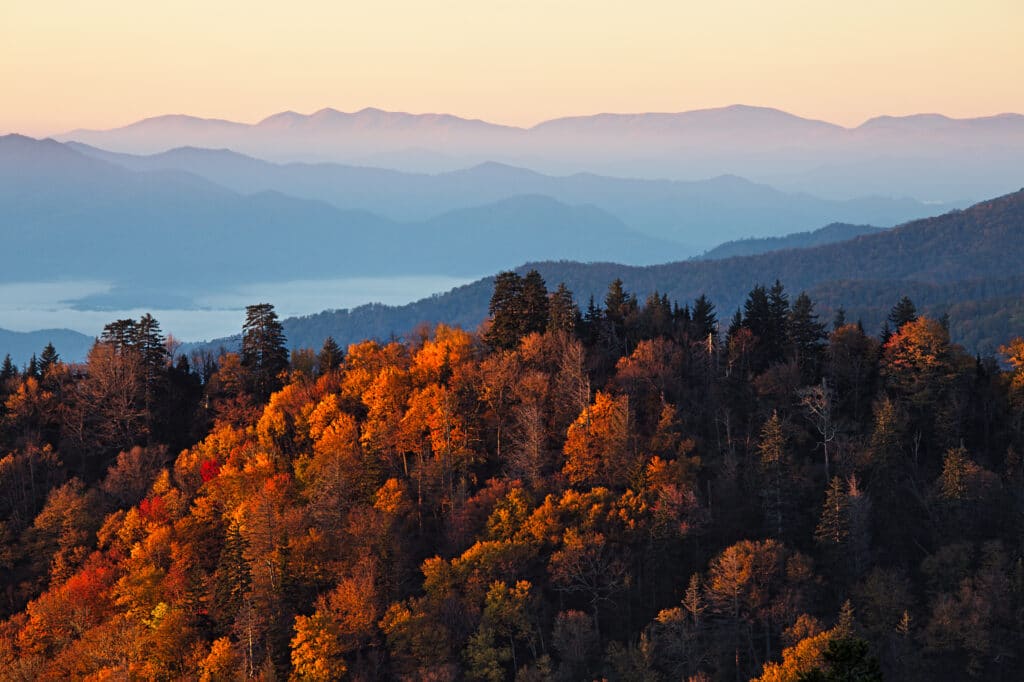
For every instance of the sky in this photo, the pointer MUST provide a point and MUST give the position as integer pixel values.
(67, 64)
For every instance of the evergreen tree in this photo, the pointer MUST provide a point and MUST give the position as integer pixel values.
(903, 312)
(778, 307)
(840, 319)
(48, 359)
(32, 369)
(330, 356)
(806, 337)
(264, 354)
(120, 334)
(533, 305)
(703, 317)
(833, 528)
(774, 469)
(8, 370)
(592, 321)
(563, 314)
(504, 311)
(151, 345)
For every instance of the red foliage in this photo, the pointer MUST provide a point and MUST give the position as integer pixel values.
(209, 470)
(152, 508)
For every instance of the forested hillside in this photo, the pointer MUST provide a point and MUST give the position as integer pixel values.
(631, 491)
(963, 264)
(830, 234)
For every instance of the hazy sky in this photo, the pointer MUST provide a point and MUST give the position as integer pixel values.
(102, 63)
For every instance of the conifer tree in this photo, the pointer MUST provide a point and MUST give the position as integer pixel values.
(32, 369)
(48, 359)
(833, 528)
(504, 311)
(703, 317)
(563, 314)
(8, 370)
(264, 354)
(774, 466)
(806, 336)
(904, 311)
(330, 356)
(533, 305)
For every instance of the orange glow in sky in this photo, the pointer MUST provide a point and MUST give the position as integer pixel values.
(67, 64)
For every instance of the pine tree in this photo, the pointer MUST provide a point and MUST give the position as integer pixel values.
(264, 354)
(703, 317)
(504, 311)
(48, 359)
(533, 305)
(833, 528)
(330, 356)
(119, 334)
(8, 370)
(563, 314)
(806, 336)
(774, 467)
(32, 369)
(903, 312)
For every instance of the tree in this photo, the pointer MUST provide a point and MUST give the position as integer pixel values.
(703, 318)
(846, 659)
(504, 311)
(817, 404)
(596, 445)
(534, 305)
(48, 359)
(7, 370)
(903, 312)
(563, 315)
(806, 336)
(330, 356)
(774, 469)
(264, 355)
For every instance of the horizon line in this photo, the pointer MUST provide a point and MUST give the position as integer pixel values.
(475, 119)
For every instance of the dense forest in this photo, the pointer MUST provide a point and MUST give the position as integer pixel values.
(623, 489)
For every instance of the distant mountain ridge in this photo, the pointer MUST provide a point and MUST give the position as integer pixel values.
(697, 214)
(99, 220)
(830, 234)
(930, 157)
(72, 346)
(964, 262)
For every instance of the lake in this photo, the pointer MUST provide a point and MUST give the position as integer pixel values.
(198, 316)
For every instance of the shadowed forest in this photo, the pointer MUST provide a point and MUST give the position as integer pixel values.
(628, 489)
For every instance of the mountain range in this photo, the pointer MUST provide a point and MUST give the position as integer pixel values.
(697, 214)
(141, 223)
(930, 157)
(964, 263)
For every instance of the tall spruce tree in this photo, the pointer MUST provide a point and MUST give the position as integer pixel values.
(563, 314)
(330, 356)
(533, 305)
(8, 370)
(264, 354)
(504, 311)
(48, 359)
(903, 312)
